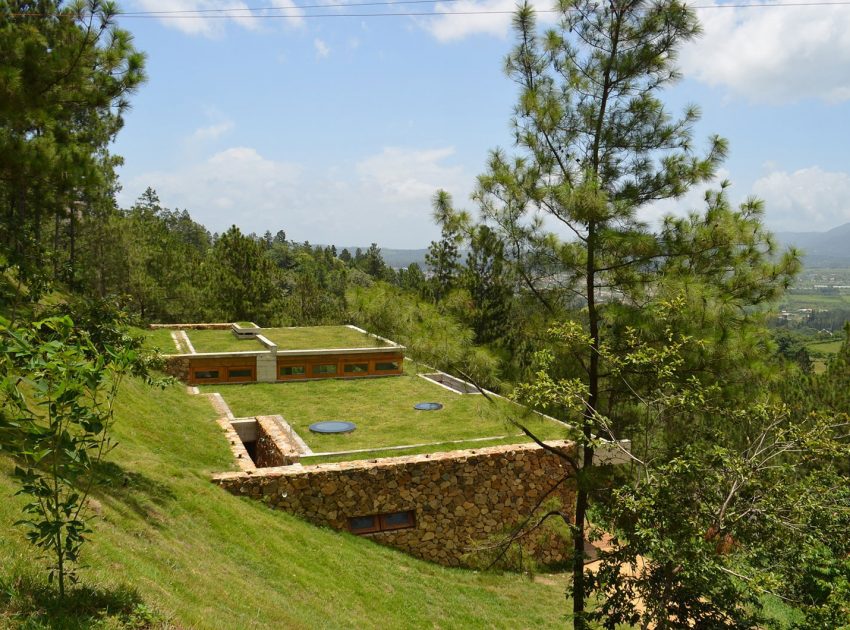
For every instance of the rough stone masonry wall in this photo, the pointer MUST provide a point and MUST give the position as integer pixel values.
(270, 441)
(178, 367)
(463, 500)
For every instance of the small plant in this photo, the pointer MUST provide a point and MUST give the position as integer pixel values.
(58, 386)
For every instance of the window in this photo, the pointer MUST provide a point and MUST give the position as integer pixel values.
(292, 370)
(240, 373)
(206, 373)
(356, 368)
(382, 522)
(364, 524)
(386, 366)
(324, 369)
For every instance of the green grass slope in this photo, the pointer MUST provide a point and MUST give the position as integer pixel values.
(201, 558)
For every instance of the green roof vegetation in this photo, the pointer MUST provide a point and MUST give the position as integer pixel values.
(315, 337)
(302, 338)
(170, 540)
(382, 409)
(222, 341)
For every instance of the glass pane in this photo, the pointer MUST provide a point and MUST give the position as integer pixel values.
(292, 370)
(240, 373)
(356, 368)
(386, 366)
(362, 523)
(398, 519)
(206, 374)
(324, 369)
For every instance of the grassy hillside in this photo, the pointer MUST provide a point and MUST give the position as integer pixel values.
(201, 558)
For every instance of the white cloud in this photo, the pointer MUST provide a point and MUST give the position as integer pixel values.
(237, 185)
(446, 28)
(384, 197)
(774, 54)
(211, 132)
(806, 200)
(178, 14)
(322, 49)
(407, 175)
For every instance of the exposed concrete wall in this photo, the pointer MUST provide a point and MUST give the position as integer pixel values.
(463, 500)
(266, 368)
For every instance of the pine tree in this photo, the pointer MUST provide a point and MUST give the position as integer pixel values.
(596, 147)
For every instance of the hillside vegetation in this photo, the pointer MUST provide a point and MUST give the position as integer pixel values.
(172, 550)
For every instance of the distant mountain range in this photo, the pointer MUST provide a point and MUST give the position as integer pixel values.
(821, 249)
(396, 258)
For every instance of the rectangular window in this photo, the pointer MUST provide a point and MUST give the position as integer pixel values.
(200, 374)
(324, 370)
(240, 373)
(292, 370)
(397, 520)
(382, 522)
(363, 524)
(356, 368)
(387, 366)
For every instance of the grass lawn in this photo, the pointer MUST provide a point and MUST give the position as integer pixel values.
(159, 339)
(825, 347)
(222, 341)
(815, 300)
(306, 338)
(169, 541)
(316, 337)
(382, 409)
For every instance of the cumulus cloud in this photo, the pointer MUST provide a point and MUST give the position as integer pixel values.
(237, 185)
(322, 49)
(774, 55)
(809, 199)
(404, 175)
(447, 28)
(385, 197)
(186, 15)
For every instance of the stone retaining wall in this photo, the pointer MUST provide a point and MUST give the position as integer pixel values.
(177, 366)
(273, 447)
(463, 500)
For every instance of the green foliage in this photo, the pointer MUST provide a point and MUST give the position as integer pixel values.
(443, 258)
(66, 72)
(433, 337)
(58, 390)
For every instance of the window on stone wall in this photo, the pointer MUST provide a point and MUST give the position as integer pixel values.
(382, 522)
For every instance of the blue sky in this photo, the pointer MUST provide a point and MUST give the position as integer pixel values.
(339, 130)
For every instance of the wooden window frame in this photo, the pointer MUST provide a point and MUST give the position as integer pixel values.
(380, 524)
(387, 362)
(303, 373)
(247, 378)
(197, 371)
